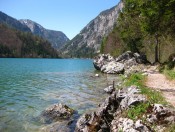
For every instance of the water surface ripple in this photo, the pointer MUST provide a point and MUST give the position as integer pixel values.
(28, 86)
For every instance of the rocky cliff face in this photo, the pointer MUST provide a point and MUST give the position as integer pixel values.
(88, 41)
(56, 38)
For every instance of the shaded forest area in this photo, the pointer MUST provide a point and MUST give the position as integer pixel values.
(15, 43)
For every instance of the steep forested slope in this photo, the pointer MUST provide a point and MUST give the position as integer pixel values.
(15, 43)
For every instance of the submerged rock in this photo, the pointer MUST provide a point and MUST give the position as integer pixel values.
(60, 126)
(57, 112)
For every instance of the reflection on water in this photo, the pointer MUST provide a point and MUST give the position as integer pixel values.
(28, 86)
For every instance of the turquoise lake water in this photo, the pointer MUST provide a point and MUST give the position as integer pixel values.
(28, 86)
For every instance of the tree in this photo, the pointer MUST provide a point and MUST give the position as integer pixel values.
(128, 25)
(140, 18)
(152, 15)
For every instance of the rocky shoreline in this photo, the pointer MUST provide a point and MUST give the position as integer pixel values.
(110, 116)
(126, 63)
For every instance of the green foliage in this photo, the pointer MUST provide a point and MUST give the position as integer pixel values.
(113, 44)
(152, 13)
(137, 111)
(4, 51)
(80, 52)
(168, 68)
(145, 26)
(24, 44)
(128, 25)
(170, 74)
(116, 52)
(171, 62)
(103, 44)
(77, 51)
(135, 79)
(120, 130)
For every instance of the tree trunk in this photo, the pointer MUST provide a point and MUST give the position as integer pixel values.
(157, 49)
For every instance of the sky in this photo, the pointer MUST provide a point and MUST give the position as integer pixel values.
(68, 16)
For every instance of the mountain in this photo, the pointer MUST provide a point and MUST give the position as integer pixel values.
(88, 41)
(15, 43)
(56, 38)
(12, 22)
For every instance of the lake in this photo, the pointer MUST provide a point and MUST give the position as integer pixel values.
(28, 86)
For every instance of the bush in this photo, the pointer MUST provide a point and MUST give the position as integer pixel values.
(171, 61)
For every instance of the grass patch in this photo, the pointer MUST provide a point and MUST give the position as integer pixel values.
(168, 71)
(170, 74)
(135, 79)
(137, 111)
(152, 96)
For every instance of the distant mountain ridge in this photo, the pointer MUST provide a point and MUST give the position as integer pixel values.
(13, 23)
(56, 38)
(88, 41)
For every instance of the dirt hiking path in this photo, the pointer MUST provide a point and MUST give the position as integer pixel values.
(160, 82)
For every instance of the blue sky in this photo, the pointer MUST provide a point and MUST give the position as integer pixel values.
(68, 16)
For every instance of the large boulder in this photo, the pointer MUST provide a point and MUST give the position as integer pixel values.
(124, 62)
(113, 67)
(57, 112)
(125, 56)
(101, 60)
(129, 97)
(139, 58)
(129, 63)
(88, 123)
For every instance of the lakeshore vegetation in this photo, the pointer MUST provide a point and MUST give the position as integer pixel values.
(146, 27)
